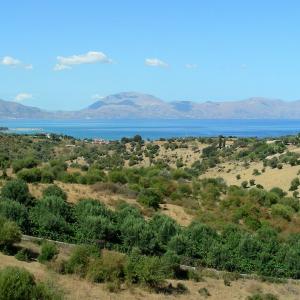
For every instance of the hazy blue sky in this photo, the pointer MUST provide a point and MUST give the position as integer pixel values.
(64, 54)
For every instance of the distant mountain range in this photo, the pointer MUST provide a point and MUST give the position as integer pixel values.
(131, 105)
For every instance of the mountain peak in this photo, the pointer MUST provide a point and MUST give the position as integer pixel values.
(133, 105)
(126, 99)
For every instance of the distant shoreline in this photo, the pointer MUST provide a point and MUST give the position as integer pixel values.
(155, 129)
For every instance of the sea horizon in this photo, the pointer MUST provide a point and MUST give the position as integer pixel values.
(115, 129)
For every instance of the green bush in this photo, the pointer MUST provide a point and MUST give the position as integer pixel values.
(108, 268)
(47, 176)
(15, 211)
(16, 190)
(261, 296)
(16, 284)
(28, 162)
(252, 182)
(150, 197)
(94, 175)
(146, 270)
(117, 177)
(80, 258)
(48, 252)
(54, 190)
(9, 233)
(256, 172)
(278, 191)
(294, 184)
(244, 184)
(30, 175)
(23, 255)
(51, 218)
(283, 211)
(47, 291)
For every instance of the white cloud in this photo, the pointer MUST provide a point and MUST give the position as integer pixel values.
(13, 62)
(22, 96)
(191, 66)
(90, 57)
(10, 61)
(155, 62)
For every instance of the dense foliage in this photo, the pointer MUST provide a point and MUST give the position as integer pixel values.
(259, 249)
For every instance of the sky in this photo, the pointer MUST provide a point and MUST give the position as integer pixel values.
(67, 54)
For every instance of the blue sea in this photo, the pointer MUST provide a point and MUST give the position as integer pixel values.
(154, 129)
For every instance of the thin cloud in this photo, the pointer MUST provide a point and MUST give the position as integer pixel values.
(155, 62)
(97, 97)
(90, 57)
(15, 63)
(191, 66)
(22, 96)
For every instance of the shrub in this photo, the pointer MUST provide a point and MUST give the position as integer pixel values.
(16, 190)
(47, 176)
(256, 172)
(146, 270)
(283, 211)
(54, 190)
(48, 251)
(50, 217)
(117, 177)
(181, 288)
(15, 211)
(16, 283)
(94, 175)
(280, 192)
(9, 233)
(171, 262)
(80, 259)
(23, 255)
(108, 268)
(150, 197)
(294, 184)
(179, 173)
(238, 176)
(28, 162)
(261, 296)
(30, 175)
(47, 291)
(244, 184)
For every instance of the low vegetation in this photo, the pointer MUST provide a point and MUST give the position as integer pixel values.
(241, 228)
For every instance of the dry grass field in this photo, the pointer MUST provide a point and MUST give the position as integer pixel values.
(270, 178)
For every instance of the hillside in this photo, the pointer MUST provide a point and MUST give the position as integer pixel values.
(14, 110)
(185, 218)
(132, 105)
